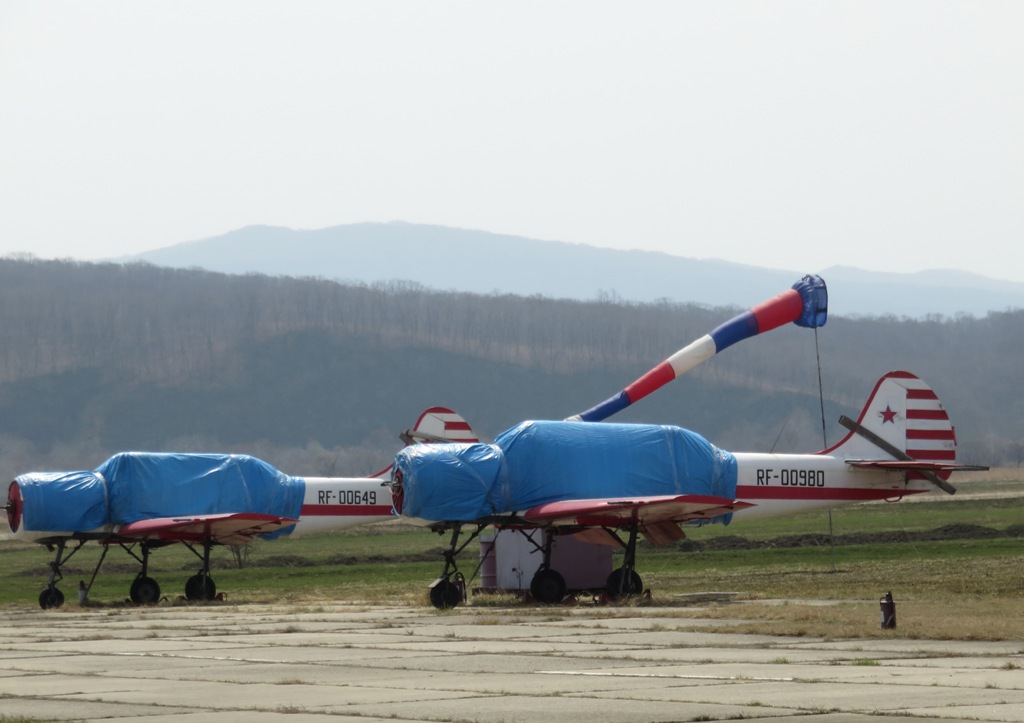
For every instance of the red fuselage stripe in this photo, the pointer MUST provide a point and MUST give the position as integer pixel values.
(345, 510)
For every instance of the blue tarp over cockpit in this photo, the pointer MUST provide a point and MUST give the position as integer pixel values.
(538, 462)
(134, 486)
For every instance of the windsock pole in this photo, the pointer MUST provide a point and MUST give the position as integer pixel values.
(805, 304)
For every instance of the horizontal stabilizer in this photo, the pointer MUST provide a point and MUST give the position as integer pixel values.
(914, 465)
(928, 471)
(226, 529)
(621, 512)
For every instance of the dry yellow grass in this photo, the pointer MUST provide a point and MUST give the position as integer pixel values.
(917, 620)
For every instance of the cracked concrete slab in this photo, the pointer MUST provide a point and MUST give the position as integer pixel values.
(258, 663)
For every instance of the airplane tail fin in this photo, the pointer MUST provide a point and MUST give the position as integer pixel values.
(439, 424)
(904, 427)
(435, 425)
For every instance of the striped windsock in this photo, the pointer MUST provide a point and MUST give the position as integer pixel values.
(805, 304)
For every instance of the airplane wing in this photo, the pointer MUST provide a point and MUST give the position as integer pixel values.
(227, 529)
(649, 511)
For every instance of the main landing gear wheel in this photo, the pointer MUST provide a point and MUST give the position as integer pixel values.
(50, 597)
(548, 586)
(200, 587)
(620, 584)
(445, 594)
(144, 591)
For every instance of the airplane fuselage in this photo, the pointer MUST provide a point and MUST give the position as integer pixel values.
(786, 484)
(783, 484)
(332, 503)
(328, 503)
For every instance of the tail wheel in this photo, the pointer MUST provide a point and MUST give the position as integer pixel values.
(145, 591)
(200, 587)
(51, 597)
(548, 586)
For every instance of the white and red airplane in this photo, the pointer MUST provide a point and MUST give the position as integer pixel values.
(142, 501)
(600, 481)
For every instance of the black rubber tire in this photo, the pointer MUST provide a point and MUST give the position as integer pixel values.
(615, 587)
(50, 598)
(145, 591)
(200, 587)
(548, 587)
(445, 595)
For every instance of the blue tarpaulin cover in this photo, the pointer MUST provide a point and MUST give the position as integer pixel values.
(133, 486)
(451, 481)
(63, 501)
(538, 462)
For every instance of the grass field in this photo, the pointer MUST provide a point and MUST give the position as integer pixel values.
(955, 566)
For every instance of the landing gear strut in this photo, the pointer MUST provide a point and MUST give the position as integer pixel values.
(449, 590)
(144, 589)
(200, 586)
(625, 581)
(51, 596)
(547, 586)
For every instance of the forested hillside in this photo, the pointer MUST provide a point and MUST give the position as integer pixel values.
(319, 377)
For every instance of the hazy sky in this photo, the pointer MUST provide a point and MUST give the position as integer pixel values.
(798, 135)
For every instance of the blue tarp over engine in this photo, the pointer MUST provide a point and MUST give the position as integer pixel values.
(133, 486)
(538, 462)
(63, 501)
(452, 481)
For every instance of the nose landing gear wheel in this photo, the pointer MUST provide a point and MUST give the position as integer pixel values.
(50, 597)
(445, 594)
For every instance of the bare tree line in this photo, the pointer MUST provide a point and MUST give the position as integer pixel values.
(165, 325)
(168, 324)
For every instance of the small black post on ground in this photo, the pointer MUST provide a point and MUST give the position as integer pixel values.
(888, 611)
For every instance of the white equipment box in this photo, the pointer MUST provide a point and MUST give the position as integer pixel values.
(514, 559)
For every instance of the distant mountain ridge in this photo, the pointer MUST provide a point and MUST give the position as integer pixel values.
(453, 259)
